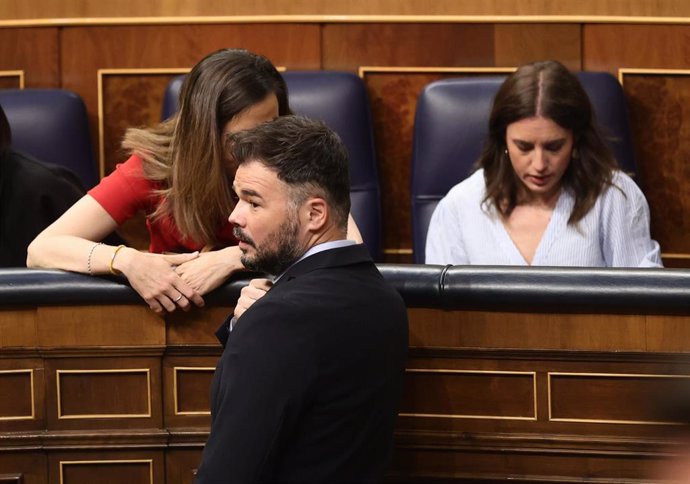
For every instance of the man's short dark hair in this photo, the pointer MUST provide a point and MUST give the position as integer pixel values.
(305, 154)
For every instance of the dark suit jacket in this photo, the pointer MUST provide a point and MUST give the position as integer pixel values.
(308, 387)
(33, 194)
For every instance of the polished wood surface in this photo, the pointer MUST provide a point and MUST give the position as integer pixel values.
(16, 9)
(488, 395)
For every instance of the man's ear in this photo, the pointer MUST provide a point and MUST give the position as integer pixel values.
(315, 213)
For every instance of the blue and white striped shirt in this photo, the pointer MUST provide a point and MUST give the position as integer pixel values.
(614, 233)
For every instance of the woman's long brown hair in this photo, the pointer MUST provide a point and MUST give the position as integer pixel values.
(550, 90)
(185, 155)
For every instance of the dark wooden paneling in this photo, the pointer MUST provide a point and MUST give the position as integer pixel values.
(110, 467)
(32, 467)
(90, 399)
(518, 44)
(104, 472)
(104, 393)
(608, 47)
(434, 393)
(180, 466)
(9, 82)
(476, 329)
(417, 464)
(614, 398)
(33, 50)
(187, 383)
(658, 105)
(22, 406)
(18, 328)
(17, 394)
(198, 326)
(347, 47)
(119, 326)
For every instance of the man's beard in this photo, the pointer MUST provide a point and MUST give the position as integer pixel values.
(277, 253)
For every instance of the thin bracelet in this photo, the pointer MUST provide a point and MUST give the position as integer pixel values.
(88, 259)
(114, 271)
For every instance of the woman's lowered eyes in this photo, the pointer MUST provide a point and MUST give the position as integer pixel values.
(553, 146)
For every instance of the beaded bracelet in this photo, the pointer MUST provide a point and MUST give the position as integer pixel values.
(114, 271)
(88, 259)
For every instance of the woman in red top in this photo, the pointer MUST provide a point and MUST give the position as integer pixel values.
(178, 176)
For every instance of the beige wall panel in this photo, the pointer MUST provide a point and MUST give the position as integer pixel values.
(33, 50)
(517, 44)
(18, 9)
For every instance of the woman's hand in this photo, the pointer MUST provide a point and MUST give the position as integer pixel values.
(256, 289)
(153, 277)
(210, 269)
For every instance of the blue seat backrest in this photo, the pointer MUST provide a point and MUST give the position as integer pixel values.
(52, 126)
(340, 100)
(451, 125)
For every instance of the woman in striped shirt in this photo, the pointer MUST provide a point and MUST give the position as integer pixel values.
(547, 190)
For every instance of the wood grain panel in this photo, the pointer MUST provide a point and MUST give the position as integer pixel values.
(17, 9)
(18, 328)
(107, 466)
(180, 465)
(104, 393)
(192, 390)
(475, 329)
(658, 105)
(187, 383)
(517, 44)
(10, 81)
(32, 466)
(197, 327)
(610, 47)
(602, 398)
(72, 326)
(347, 47)
(104, 472)
(468, 394)
(33, 50)
(415, 464)
(17, 390)
(22, 381)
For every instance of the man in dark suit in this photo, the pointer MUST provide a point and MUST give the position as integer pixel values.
(309, 383)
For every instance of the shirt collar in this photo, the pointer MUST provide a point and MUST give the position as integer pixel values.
(315, 249)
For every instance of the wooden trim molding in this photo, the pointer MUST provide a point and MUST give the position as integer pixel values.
(343, 19)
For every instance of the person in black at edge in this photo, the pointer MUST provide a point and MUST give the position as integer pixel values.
(32, 195)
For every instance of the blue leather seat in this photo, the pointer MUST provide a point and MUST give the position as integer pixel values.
(52, 126)
(451, 124)
(340, 100)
